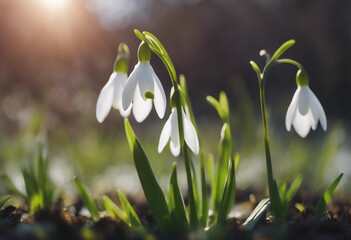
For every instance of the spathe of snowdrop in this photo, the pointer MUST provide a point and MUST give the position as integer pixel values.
(305, 109)
(143, 87)
(170, 132)
(111, 93)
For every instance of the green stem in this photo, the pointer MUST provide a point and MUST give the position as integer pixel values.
(266, 135)
(290, 61)
(193, 213)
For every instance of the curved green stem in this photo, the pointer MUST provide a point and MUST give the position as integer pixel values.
(290, 61)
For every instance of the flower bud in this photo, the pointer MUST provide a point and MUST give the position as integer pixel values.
(302, 78)
(122, 61)
(144, 52)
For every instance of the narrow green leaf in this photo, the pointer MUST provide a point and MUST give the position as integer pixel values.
(151, 188)
(276, 204)
(139, 35)
(89, 203)
(10, 185)
(214, 103)
(3, 200)
(112, 208)
(322, 203)
(228, 195)
(256, 69)
(223, 101)
(285, 46)
(295, 186)
(177, 203)
(256, 214)
(128, 209)
(283, 190)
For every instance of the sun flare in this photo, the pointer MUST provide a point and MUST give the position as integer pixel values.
(54, 4)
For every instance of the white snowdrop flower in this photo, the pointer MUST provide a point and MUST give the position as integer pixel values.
(171, 131)
(143, 87)
(305, 109)
(111, 93)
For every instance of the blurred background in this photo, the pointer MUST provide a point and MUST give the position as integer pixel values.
(56, 55)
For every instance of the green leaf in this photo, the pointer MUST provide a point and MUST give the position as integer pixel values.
(151, 188)
(214, 103)
(223, 100)
(177, 206)
(89, 203)
(285, 46)
(256, 69)
(112, 208)
(3, 200)
(128, 209)
(276, 203)
(228, 194)
(10, 185)
(256, 214)
(295, 186)
(322, 203)
(283, 190)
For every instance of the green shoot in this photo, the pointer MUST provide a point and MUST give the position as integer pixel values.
(176, 203)
(152, 189)
(40, 191)
(113, 209)
(89, 203)
(322, 203)
(3, 200)
(256, 214)
(131, 214)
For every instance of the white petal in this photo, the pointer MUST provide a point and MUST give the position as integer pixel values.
(175, 143)
(303, 100)
(160, 101)
(190, 134)
(145, 81)
(119, 83)
(301, 124)
(141, 108)
(320, 111)
(165, 134)
(129, 88)
(290, 114)
(105, 99)
(313, 116)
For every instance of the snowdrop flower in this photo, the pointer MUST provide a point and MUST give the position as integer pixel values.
(305, 109)
(111, 93)
(171, 131)
(143, 87)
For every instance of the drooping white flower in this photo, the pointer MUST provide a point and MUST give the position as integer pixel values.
(304, 112)
(111, 96)
(170, 131)
(143, 87)
(111, 93)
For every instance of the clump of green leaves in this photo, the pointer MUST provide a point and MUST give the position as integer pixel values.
(39, 189)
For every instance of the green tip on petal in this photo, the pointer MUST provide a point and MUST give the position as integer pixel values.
(149, 95)
(144, 52)
(122, 60)
(302, 78)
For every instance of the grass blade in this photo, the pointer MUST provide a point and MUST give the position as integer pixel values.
(151, 188)
(3, 200)
(177, 206)
(112, 208)
(295, 186)
(89, 203)
(256, 214)
(228, 194)
(322, 203)
(128, 209)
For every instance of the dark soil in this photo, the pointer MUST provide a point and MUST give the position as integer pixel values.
(59, 223)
